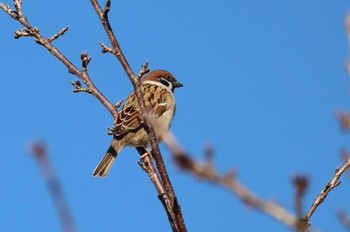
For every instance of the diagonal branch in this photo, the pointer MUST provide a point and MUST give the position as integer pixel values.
(83, 74)
(206, 171)
(153, 175)
(176, 219)
(58, 34)
(334, 182)
(9, 11)
(34, 32)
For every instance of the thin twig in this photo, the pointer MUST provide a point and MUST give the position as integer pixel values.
(29, 30)
(144, 70)
(334, 182)
(58, 34)
(118, 104)
(148, 167)
(106, 49)
(107, 8)
(78, 88)
(9, 11)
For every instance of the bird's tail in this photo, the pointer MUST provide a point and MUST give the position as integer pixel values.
(106, 162)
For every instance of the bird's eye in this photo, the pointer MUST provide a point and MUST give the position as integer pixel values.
(164, 80)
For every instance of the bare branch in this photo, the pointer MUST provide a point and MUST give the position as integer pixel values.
(34, 32)
(144, 70)
(119, 54)
(106, 9)
(79, 88)
(106, 49)
(207, 171)
(85, 60)
(9, 11)
(23, 32)
(18, 4)
(147, 165)
(334, 182)
(118, 104)
(58, 34)
(172, 202)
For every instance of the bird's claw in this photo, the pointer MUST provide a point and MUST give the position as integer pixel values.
(147, 153)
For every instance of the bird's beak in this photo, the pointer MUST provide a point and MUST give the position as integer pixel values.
(177, 84)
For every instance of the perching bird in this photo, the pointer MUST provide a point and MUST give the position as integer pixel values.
(158, 88)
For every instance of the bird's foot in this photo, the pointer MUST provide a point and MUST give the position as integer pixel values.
(147, 153)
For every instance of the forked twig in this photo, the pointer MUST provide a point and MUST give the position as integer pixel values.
(34, 32)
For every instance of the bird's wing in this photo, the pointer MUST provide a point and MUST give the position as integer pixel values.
(130, 117)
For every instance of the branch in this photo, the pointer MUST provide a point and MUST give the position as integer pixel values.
(334, 182)
(58, 34)
(31, 31)
(207, 171)
(9, 11)
(52, 181)
(78, 88)
(148, 167)
(103, 16)
(176, 218)
(34, 32)
(106, 49)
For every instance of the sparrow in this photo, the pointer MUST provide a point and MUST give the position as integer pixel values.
(158, 94)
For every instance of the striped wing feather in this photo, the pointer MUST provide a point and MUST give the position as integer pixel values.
(130, 117)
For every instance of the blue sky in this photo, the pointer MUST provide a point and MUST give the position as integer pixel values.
(263, 82)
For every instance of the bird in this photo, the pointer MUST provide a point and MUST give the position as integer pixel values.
(158, 94)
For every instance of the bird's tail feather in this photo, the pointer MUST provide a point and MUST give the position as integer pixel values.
(106, 162)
